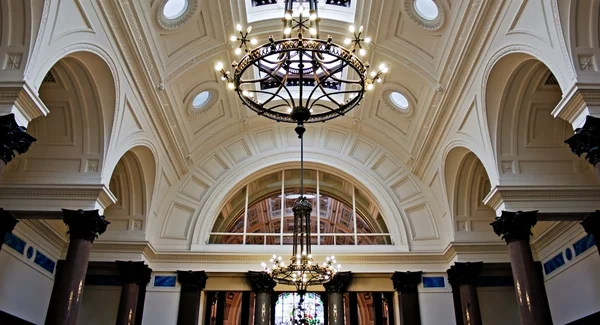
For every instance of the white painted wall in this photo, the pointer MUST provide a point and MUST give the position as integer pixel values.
(24, 290)
(498, 305)
(575, 292)
(99, 305)
(436, 308)
(161, 307)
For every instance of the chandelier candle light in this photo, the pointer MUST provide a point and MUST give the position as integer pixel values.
(301, 79)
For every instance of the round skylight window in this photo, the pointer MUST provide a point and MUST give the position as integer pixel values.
(201, 99)
(399, 100)
(427, 9)
(175, 8)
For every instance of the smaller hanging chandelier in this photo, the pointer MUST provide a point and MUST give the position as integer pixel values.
(302, 271)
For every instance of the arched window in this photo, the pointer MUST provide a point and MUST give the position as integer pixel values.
(344, 215)
(287, 303)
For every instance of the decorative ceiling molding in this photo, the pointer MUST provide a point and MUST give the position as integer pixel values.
(10, 194)
(133, 46)
(432, 25)
(465, 54)
(170, 24)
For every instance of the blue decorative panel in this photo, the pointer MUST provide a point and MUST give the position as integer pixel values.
(496, 281)
(15, 243)
(584, 244)
(554, 263)
(434, 282)
(103, 280)
(569, 254)
(165, 281)
(29, 252)
(45, 262)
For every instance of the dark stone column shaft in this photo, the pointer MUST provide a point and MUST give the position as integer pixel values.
(458, 315)
(128, 304)
(134, 275)
(335, 297)
(515, 229)
(68, 288)
(406, 284)
(84, 227)
(141, 301)
(7, 223)
(389, 299)
(192, 284)
(467, 279)
(263, 285)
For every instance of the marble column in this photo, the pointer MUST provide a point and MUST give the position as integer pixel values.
(7, 224)
(84, 228)
(515, 229)
(139, 313)
(455, 295)
(467, 275)
(335, 297)
(591, 224)
(13, 138)
(406, 284)
(133, 275)
(587, 140)
(192, 284)
(263, 286)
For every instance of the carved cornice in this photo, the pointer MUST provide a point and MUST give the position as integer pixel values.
(501, 194)
(575, 101)
(24, 98)
(101, 193)
(551, 234)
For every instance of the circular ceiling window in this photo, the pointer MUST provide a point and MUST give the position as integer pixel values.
(427, 9)
(399, 100)
(201, 100)
(174, 8)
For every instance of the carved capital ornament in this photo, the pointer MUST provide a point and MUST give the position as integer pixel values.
(587, 140)
(192, 280)
(339, 283)
(591, 224)
(515, 225)
(86, 225)
(261, 282)
(406, 282)
(7, 222)
(13, 138)
(134, 272)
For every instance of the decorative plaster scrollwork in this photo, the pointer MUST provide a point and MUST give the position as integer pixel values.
(435, 24)
(170, 24)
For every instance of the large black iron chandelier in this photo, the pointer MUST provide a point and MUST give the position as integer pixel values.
(301, 78)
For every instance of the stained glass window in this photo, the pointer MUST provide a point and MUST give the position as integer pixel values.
(286, 305)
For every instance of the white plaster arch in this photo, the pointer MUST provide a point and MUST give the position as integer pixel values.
(239, 174)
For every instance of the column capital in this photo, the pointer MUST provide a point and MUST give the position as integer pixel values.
(591, 223)
(86, 225)
(13, 138)
(192, 280)
(7, 222)
(261, 282)
(515, 225)
(465, 273)
(406, 282)
(339, 283)
(134, 272)
(587, 140)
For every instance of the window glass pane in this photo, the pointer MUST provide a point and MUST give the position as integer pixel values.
(231, 218)
(264, 204)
